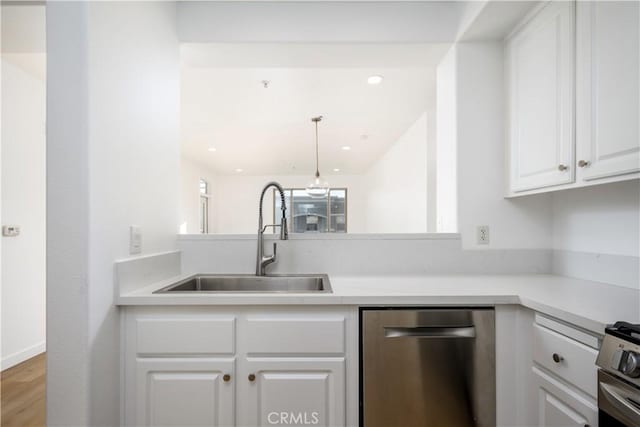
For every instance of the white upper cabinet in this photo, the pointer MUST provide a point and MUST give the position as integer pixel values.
(608, 72)
(574, 66)
(540, 68)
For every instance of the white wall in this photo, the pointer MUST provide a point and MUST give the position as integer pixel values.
(396, 190)
(341, 254)
(23, 204)
(134, 94)
(514, 223)
(602, 219)
(236, 200)
(446, 154)
(391, 197)
(190, 174)
(432, 166)
(596, 233)
(122, 67)
(67, 215)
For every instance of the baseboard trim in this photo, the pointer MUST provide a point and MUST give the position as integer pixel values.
(22, 355)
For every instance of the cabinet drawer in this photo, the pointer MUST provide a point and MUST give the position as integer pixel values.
(185, 336)
(577, 361)
(568, 331)
(296, 335)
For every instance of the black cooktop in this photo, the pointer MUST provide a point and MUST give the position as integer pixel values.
(626, 331)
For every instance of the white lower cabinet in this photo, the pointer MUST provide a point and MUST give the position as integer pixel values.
(295, 392)
(298, 366)
(560, 405)
(245, 366)
(184, 392)
(563, 375)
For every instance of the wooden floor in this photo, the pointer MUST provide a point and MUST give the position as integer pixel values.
(23, 394)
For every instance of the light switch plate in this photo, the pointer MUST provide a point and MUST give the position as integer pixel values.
(135, 240)
(10, 230)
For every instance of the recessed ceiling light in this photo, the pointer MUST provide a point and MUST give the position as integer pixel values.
(212, 149)
(239, 170)
(346, 147)
(375, 80)
(336, 170)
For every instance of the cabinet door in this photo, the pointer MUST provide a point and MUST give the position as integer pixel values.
(184, 392)
(608, 112)
(560, 405)
(540, 68)
(294, 392)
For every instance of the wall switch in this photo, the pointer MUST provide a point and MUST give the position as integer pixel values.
(10, 230)
(135, 240)
(483, 234)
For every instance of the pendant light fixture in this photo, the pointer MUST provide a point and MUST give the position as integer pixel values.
(317, 188)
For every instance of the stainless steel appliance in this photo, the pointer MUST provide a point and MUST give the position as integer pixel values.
(619, 376)
(427, 367)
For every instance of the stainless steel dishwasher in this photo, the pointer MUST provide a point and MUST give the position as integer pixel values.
(427, 367)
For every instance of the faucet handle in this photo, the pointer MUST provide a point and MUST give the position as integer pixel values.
(275, 249)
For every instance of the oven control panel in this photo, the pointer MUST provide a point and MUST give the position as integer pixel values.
(620, 357)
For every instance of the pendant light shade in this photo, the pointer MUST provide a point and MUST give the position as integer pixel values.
(318, 188)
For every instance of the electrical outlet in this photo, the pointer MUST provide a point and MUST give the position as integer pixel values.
(483, 235)
(135, 240)
(10, 230)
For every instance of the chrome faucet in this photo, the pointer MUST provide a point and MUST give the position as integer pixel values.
(263, 260)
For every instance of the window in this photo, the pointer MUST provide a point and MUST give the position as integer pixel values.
(310, 215)
(204, 206)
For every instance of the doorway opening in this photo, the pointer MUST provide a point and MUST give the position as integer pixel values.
(23, 213)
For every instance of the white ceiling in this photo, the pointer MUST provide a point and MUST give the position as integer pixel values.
(269, 131)
(320, 21)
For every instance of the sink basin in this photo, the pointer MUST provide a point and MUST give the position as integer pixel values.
(228, 283)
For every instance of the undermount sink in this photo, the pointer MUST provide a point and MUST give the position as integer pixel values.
(228, 283)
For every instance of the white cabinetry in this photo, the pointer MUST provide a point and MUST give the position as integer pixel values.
(574, 66)
(184, 392)
(244, 366)
(563, 375)
(541, 95)
(608, 75)
(302, 391)
(561, 406)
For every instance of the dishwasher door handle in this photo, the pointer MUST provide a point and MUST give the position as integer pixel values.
(431, 332)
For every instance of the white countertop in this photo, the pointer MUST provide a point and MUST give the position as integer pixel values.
(590, 305)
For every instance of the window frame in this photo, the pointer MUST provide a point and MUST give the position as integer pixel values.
(290, 191)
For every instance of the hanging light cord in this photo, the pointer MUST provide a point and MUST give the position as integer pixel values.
(316, 120)
(317, 154)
